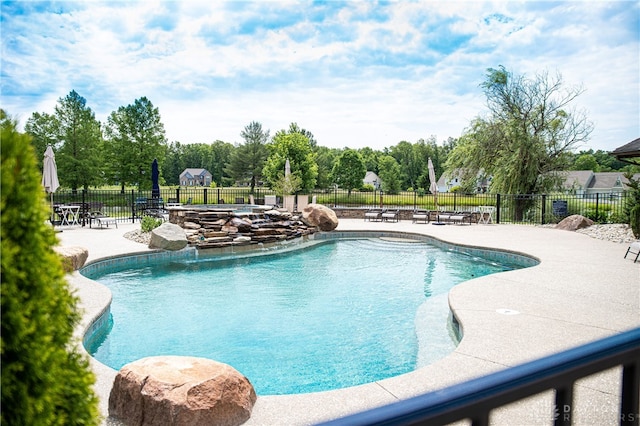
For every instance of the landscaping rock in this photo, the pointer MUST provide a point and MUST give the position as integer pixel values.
(191, 225)
(168, 237)
(242, 224)
(573, 222)
(176, 391)
(73, 258)
(320, 216)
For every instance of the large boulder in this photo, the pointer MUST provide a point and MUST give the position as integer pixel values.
(573, 222)
(73, 258)
(168, 237)
(320, 216)
(175, 390)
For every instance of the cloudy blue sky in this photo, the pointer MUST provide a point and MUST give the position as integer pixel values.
(354, 73)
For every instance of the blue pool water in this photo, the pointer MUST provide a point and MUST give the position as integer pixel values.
(334, 315)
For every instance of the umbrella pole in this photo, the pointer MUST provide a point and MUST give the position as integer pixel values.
(52, 211)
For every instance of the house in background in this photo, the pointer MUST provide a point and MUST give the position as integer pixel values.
(586, 183)
(576, 181)
(195, 177)
(372, 179)
(448, 181)
(609, 182)
(583, 183)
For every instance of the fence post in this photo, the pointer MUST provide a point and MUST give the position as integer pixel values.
(205, 197)
(83, 205)
(177, 195)
(597, 205)
(455, 201)
(497, 208)
(133, 206)
(415, 200)
(544, 208)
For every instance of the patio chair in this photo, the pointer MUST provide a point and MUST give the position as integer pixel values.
(159, 213)
(421, 216)
(102, 219)
(391, 215)
(455, 217)
(373, 215)
(634, 248)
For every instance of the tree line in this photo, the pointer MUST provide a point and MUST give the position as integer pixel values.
(120, 152)
(530, 130)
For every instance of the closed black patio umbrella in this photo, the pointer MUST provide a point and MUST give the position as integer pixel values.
(155, 176)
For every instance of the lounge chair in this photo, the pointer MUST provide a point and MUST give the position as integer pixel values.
(391, 215)
(634, 248)
(455, 217)
(421, 216)
(102, 219)
(373, 215)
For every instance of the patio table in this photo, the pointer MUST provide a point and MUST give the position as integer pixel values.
(70, 214)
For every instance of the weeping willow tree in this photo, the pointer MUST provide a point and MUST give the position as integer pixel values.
(526, 137)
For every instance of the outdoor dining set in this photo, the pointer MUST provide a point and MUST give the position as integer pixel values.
(82, 214)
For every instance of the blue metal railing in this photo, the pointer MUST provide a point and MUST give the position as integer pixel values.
(476, 398)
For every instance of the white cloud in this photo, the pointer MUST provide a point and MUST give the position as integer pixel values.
(353, 73)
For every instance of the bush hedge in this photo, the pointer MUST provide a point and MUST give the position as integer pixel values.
(45, 377)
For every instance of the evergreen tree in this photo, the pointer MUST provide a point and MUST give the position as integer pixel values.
(247, 160)
(45, 377)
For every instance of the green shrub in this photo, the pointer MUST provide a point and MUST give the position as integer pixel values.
(148, 223)
(46, 379)
(599, 217)
(367, 187)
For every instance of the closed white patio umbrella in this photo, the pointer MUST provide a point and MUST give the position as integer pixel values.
(433, 187)
(50, 174)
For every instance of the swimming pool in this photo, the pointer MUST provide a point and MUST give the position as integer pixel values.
(334, 315)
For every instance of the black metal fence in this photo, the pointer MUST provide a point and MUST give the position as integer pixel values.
(509, 208)
(520, 208)
(129, 205)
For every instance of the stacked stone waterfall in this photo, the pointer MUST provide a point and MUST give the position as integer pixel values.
(213, 229)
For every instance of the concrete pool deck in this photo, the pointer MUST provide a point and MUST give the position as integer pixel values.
(581, 291)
